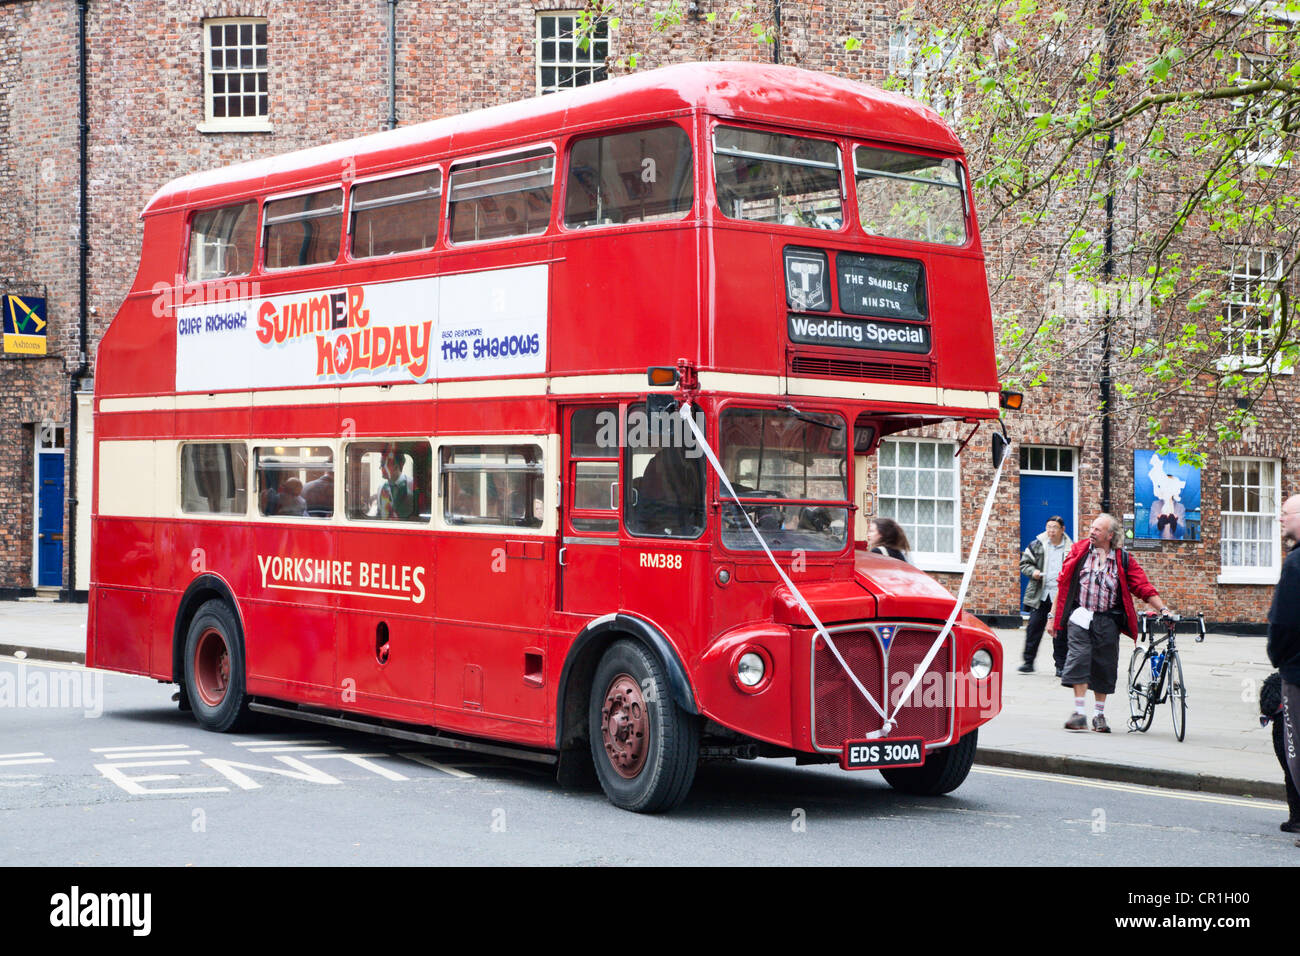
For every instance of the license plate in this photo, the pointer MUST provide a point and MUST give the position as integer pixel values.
(884, 752)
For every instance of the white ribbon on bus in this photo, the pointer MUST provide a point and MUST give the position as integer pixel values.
(889, 719)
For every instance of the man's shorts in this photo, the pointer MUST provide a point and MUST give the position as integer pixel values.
(1092, 656)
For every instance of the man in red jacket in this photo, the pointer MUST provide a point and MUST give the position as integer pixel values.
(1096, 588)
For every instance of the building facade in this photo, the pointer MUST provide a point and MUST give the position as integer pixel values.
(175, 86)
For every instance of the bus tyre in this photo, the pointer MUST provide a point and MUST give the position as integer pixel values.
(645, 748)
(943, 770)
(214, 669)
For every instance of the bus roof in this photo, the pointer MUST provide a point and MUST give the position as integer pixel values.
(767, 93)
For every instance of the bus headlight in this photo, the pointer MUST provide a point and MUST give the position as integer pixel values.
(750, 669)
(981, 663)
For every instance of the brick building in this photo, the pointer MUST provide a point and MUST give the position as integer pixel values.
(174, 86)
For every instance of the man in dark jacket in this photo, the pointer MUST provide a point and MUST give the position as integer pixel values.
(1284, 634)
(1096, 591)
(1041, 562)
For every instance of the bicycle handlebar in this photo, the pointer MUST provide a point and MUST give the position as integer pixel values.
(1171, 622)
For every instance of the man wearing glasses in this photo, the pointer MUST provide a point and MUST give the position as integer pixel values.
(1098, 581)
(1284, 634)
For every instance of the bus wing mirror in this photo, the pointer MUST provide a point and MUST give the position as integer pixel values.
(1000, 445)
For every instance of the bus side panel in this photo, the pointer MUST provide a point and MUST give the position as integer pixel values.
(386, 643)
(607, 318)
(962, 323)
(138, 351)
(748, 302)
(495, 666)
(289, 619)
(122, 626)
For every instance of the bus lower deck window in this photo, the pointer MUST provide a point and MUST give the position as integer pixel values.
(388, 481)
(492, 485)
(295, 481)
(214, 478)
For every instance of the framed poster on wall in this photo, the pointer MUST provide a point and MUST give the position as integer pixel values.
(1166, 498)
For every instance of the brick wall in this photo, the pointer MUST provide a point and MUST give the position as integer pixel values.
(328, 80)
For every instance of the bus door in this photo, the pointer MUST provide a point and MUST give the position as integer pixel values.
(864, 446)
(589, 543)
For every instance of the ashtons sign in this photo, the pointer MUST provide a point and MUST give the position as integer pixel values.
(25, 324)
(859, 334)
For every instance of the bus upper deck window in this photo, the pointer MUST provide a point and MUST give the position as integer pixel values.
(909, 196)
(395, 215)
(303, 230)
(222, 242)
(502, 196)
(768, 177)
(642, 176)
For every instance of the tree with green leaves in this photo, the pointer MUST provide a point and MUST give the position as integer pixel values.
(1134, 164)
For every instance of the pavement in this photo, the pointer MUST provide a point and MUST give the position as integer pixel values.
(1225, 750)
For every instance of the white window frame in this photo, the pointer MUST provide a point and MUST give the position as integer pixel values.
(590, 62)
(920, 73)
(236, 124)
(1269, 269)
(1254, 153)
(929, 560)
(1234, 574)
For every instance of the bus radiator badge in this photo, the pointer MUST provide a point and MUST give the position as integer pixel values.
(886, 635)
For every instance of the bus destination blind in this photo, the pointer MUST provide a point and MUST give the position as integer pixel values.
(881, 286)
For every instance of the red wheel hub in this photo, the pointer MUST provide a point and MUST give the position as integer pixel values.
(625, 726)
(212, 667)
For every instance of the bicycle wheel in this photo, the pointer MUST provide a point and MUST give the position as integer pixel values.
(1140, 706)
(1177, 694)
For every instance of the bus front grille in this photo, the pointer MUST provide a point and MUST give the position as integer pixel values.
(841, 713)
(823, 367)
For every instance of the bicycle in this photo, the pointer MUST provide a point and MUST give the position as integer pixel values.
(1155, 675)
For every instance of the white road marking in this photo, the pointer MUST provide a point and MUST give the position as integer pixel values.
(293, 749)
(266, 742)
(1255, 804)
(428, 762)
(30, 753)
(137, 748)
(19, 763)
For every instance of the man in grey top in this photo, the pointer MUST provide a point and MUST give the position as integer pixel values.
(1041, 563)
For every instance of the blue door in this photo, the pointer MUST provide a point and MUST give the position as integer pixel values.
(1042, 496)
(49, 521)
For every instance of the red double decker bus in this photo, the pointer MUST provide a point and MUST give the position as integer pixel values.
(376, 445)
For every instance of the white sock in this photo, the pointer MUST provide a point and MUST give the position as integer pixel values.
(1101, 706)
(1079, 706)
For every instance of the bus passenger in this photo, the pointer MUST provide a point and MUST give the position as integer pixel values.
(396, 497)
(886, 536)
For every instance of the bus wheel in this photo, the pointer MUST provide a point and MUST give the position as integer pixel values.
(214, 669)
(645, 748)
(943, 771)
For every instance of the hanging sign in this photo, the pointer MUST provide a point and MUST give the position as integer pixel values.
(25, 324)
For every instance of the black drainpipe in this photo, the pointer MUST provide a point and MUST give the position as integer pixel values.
(1108, 273)
(83, 261)
(392, 64)
(776, 25)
